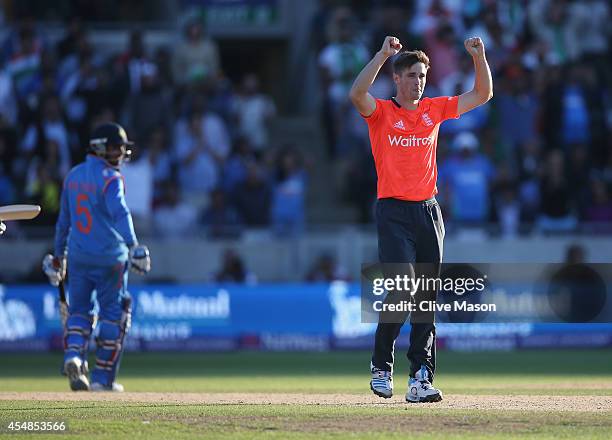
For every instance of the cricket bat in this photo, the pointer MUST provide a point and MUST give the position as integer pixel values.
(19, 212)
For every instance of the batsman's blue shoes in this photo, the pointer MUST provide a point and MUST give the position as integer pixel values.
(420, 389)
(381, 383)
(73, 368)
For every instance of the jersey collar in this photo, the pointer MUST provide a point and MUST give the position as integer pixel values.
(399, 106)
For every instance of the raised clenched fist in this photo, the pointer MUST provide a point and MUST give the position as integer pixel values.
(391, 46)
(474, 46)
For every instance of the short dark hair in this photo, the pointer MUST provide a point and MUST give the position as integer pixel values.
(405, 60)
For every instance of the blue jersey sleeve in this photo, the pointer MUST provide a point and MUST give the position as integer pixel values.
(119, 212)
(62, 227)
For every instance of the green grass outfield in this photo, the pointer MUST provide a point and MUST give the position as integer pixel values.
(547, 373)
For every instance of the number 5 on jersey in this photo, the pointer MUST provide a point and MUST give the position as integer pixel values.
(82, 208)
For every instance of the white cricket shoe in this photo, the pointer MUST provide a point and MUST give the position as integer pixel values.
(420, 389)
(73, 368)
(114, 388)
(381, 383)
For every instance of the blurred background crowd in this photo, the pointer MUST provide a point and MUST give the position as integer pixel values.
(537, 158)
(203, 156)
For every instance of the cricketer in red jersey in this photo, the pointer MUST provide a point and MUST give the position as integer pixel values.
(404, 136)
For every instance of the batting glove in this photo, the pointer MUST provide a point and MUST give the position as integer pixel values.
(54, 268)
(140, 260)
(2, 228)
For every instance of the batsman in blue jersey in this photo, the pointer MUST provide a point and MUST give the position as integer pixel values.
(95, 235)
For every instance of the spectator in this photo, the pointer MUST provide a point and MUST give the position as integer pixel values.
(252, 198)
(158, 155)
(174, 218)
(528, 171)
(589, 23)
(599, 209)
(506, 204)
(50, 127)
(383, 87)
(579, 173)
(233, 270)
(10, 159)
(198, 161)
(339, 62)
(606, 169)
(361, 184)
(518, 108)
(288, 194)
(508, 212)
(392, 20)
(50, 158)
(575, 254)
(326, 269)
(23, 55)
(573, 110)
(441, 46)
(499, 41)
(105, 114)
(235, 169)
(548, 21)
(134, 62)
(213, 128)
(71, 49)
(556, 207)
(454, 84)
(319, 25)
(196, 57)
(84, 92)
(466, 177)
(138, 178)
(8, 102)
(429, 14)
(71, 43)
(163, 61)
(575, 113)
(43, 190)
(7, 188)
(253, 111)
(149, 108)
(460, 80)
(221, 219)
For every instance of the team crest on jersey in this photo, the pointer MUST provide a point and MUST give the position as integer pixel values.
(427, 120)
(399, 124)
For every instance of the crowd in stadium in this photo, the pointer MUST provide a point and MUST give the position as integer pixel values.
(202, 155)
(539, 154)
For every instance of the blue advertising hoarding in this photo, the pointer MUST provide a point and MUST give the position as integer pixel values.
(315, 317)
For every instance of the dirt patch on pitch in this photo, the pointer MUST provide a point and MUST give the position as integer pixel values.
(454, 401)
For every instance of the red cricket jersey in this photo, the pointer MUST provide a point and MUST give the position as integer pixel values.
(404, 146)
